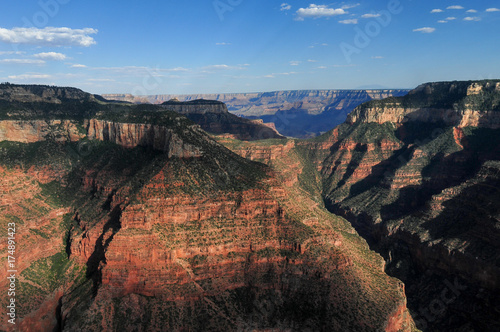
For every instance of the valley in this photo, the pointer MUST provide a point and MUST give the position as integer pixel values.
(301, 114)
(389, 221)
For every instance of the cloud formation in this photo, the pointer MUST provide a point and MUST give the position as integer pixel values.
(317, 11)
(345, 7)
(285, 6)
(351, 21)
(48, 36)
(23, 61)
(473, 19)
(370, 15)
(489, 10)
(51, 56)
(27, 77)
(436, 11)
(425, 30)
(455, 7)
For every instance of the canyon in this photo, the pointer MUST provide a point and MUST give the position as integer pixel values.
(135, 218)
(297, 113)
(132, 217)
(418, 177)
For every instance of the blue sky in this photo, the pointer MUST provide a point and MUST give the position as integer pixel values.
(215, 46)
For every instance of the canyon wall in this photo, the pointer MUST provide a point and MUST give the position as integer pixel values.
(38, 130)
(130, 135)
(418, 178)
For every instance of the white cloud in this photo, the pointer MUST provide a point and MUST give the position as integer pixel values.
(222, 44)
(26, 77)
(322, 67)
(475, 19)
(209, 69)
(138, 70)
(377, 57)
(294, 63)
(489, 10)
(370, 15)
(273, 75)
(11, 53)
(351, 21)
(345, 7)
(23, 61)
(310, 60)
(77, 65)
(471, 11)
(48, 36)
(425, 30)
(436, 11)
(100, 80)
(285, 6)
(442, 21)
(455, 7)
(51, 56)
(451, 18)
(218, 67)
(316, 11)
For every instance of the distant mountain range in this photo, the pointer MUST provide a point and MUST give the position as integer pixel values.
(297, 113)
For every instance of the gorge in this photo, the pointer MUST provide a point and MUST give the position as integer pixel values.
(134, 217)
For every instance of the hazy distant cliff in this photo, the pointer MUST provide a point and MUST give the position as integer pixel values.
(297, 113)
(214, 117)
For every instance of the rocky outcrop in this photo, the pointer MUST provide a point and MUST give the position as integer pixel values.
(130, 135)
(463, 104)
(199, 106)
(400, 115)
(214, 118)
(42, 93)
(39, 130)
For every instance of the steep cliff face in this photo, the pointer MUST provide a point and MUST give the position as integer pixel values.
(130, 135)
(39, 130)
(418, 178)
(299, 113)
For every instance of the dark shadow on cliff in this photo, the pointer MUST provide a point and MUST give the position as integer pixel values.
(101, 245)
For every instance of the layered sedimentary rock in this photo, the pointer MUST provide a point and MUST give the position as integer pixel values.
(134, 237)
(298, 113)
(130, 135)
(39, 130)
(418, 178)
(214, 117)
